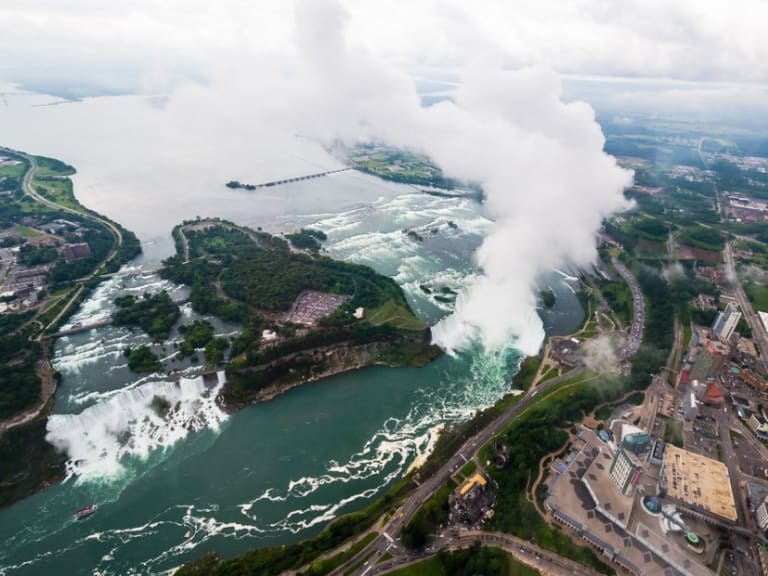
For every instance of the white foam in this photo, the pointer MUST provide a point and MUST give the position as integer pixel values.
(125, 425)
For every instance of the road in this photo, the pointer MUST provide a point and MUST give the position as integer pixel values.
(468, 450)
(638, 310)
(521, 549)
(759, 335)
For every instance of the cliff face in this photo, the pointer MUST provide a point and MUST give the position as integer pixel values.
(264, 382)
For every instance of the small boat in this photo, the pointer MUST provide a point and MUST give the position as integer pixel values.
(87, 511)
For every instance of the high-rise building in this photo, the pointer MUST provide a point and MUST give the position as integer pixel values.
(626, 470)
(762, 514)
(726, 321)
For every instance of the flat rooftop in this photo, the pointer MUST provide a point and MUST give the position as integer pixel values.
(700, 481)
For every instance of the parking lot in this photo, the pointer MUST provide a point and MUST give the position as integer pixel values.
(749, 460)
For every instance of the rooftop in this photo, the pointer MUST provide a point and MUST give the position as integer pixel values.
(476, 480)
(699, 481)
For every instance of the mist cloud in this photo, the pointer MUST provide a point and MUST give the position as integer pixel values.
(540, 161)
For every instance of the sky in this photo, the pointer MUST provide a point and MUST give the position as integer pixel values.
(92, 46)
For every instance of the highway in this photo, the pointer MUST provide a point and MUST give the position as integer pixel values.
(522, 549)
(638, 311)
(758, 330)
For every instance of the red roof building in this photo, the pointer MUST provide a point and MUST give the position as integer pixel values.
(713, 395)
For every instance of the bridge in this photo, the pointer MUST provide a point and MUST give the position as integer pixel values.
(286, 180)
(131, 272)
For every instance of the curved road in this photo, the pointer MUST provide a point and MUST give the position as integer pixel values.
(521, 549)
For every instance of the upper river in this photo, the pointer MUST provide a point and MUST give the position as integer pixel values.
(274, 472)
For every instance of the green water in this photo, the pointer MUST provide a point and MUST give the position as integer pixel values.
(273, 473)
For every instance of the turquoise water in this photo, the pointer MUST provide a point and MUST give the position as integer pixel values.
(169, 490)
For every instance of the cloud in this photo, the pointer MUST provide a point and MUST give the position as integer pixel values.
(88, 46)
(599, 355)
(540, 161)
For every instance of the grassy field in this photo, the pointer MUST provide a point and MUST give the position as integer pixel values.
(394, 315)
(57, 190)
(51, 167)
(15, 171)
(468, 468)
(27, 232)
(758, 295)
(431, 567)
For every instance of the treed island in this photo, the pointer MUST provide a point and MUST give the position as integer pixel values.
(305, 316)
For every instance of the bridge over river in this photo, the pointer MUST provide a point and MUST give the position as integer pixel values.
(235, 184)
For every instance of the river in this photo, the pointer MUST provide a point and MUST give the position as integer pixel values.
(171, 489)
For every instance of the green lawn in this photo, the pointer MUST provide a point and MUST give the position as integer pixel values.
(431, 567)
(395, 315)
(758, 295)
(27, 232)
(57, 190)
(15, 171)
(468, 468)
(52, 167)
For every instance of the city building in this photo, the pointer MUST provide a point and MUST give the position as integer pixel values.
(726, 322)
(78, 251)
(763, 318)
(626, 469)
(713, 395)
(761, 514)
(758, 425)
(751, 379)
(703, 484)
(473, 499)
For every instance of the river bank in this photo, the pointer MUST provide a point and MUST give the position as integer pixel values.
(41, 198)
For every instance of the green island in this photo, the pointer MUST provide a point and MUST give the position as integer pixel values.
(305, 316)
(142, 360)
(307, 239)
(154, 313)
(548, 297)
(64, 252)
(406, 167)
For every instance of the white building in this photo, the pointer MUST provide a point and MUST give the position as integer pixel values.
(762, 514)
(763, 319)
(726, 322)
(626, 469)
